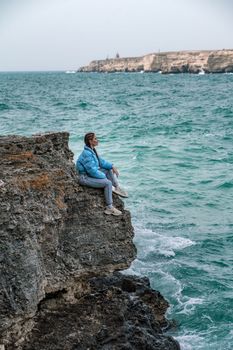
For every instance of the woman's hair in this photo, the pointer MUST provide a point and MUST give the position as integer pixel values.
(89, 136)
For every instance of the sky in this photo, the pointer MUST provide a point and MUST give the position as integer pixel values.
(37, 35)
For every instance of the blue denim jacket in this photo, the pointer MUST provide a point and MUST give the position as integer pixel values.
(89, 164)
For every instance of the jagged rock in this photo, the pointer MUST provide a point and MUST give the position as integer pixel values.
(54, 237)
(109, 317)
(215, 61)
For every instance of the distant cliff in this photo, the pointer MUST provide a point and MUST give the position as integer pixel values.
(217, 61)
(58, 254)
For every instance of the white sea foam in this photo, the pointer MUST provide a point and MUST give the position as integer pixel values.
(167, 281)
(190, 341)
(160, 244)
(207, 318)
(138, 268)
(189, 306)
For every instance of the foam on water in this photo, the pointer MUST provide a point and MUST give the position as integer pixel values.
(191, 341)
(159, 244)
(189, 306)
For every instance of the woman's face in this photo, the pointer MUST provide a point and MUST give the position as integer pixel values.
(94, 142)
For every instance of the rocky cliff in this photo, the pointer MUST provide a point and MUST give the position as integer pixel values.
(217, 61)
(58, 254)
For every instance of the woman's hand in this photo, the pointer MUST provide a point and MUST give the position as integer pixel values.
(115, 171)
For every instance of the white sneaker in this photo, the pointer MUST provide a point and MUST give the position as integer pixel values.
(119, 191)
(112, 211)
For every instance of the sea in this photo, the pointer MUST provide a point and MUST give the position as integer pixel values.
(171, 138)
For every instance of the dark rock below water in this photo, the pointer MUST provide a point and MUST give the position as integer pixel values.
(119, 312)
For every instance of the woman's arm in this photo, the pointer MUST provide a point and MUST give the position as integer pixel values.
(92, 168)
(105, 164)
(115, 171)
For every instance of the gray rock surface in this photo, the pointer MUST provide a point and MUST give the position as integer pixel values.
(214, 61)
(119, 312)
(54, 237)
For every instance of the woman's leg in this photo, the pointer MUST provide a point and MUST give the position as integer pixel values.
(111, 176)
(98, 183)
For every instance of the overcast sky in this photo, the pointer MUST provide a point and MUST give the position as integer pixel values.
(66, 34)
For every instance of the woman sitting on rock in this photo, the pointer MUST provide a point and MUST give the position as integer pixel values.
(98, 173)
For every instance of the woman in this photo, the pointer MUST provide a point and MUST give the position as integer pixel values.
(97, 172)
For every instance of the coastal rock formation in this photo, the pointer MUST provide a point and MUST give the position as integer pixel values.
(119, 312)
(216, 61)
(56, 247)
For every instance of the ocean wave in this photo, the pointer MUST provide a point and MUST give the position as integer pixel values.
(186, 165)
(124, 117)
(59, 104)
(171, 286)
(189, 306)
(4, 107)
(83, 104)
(23, 106)
(226, 185)
(191, 341)
(160, 244)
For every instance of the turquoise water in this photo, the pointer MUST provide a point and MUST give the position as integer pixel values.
(171, 137)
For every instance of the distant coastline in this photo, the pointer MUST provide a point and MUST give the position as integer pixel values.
(196, 62)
